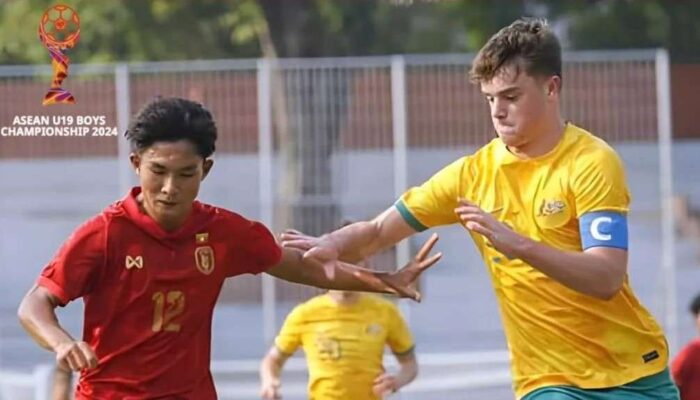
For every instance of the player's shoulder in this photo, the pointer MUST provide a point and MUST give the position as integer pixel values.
(222, 216)
(311, 306)
(584, 146)
(315, 302)
(693, 346)
(377, 302)
(92, 227)
(487, 155)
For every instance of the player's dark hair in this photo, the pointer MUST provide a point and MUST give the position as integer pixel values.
(527, 43)
(695, 305)
(169, 120)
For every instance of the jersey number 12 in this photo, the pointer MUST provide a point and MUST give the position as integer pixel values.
(167, 306)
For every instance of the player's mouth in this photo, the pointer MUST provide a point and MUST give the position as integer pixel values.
(166, 204)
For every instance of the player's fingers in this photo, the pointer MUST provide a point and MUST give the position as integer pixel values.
(299, 244)
(478, 228)
(80, 358)
(72, 361)
(405, 291)
(425, 264)
(464, 202)
(89, 355)
(427, 247)
(477, 218)
(462, 211)
(371, 279)
(293, 232)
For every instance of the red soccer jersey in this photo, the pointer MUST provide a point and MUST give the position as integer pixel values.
(149, 295)
(685, 369)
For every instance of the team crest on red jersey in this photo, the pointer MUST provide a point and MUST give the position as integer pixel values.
(204, 258)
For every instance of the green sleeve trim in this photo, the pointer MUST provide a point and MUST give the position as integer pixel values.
(405, 352)
(408, 217)
(284, 353)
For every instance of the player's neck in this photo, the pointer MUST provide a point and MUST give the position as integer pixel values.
(549, 138)
(168, 225)
(344, 300)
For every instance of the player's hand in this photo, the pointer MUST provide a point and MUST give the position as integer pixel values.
(500, 235)
(319, 248)
(404, 280)
(271, 390)
(385, 384)
(75, 356)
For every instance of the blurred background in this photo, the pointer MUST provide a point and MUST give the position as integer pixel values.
(329, 110)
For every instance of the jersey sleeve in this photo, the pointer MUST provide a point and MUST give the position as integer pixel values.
(75, 268)
(399, 337)
(258, 250)
(289, 338)
(598, 182)
(433, 203)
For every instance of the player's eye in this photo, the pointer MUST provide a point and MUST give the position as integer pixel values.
(489, 99)
(157, 172)
(187, 175)
(511, 97)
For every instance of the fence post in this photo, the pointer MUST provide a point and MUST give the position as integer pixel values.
(668, 239)
(398, 119)
(121, 86)
(265, 160)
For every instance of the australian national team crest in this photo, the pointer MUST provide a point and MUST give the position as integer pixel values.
(204, 255)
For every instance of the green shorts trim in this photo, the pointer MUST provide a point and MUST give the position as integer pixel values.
(654, 387)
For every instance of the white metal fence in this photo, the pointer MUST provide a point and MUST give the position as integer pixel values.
(304, 142)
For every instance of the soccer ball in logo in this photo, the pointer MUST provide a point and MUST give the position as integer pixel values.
(60, 26)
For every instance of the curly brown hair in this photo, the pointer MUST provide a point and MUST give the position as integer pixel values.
(527, 43)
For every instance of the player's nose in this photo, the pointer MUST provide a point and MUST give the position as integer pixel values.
(169, 187)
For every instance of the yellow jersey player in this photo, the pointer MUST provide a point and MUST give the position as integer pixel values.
(546, 203)
(343, 335)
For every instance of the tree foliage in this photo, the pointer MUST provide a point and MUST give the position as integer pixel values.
(153, 30)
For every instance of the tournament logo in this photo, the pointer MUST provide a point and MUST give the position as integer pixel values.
(204, 259)
(59, 30)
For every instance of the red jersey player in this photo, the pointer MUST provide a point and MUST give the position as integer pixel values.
(686, 365)
(150, 267)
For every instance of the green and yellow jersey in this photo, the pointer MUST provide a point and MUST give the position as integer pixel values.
(556, 336)
(344, 344)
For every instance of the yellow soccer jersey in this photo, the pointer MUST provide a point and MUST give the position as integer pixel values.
(344, 344)
(556, 336)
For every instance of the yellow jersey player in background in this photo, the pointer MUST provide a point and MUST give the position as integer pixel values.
(343, 335)
(546, 203)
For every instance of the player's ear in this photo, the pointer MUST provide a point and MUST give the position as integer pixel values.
(553, 85)
(135, 160)
(208, 163)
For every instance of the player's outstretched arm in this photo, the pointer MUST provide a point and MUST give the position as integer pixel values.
(294, 267)
(354, 242)
(270, 371)
(38, 317)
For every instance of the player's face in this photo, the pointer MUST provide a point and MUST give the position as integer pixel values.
(519, 104)
(170, 174)
(697, 322)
